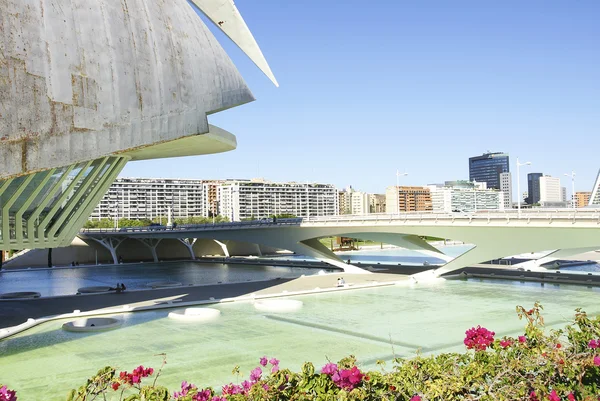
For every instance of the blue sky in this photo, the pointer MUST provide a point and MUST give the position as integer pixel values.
(411, 85)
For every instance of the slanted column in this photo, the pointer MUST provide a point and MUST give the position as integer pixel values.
(151, 243)
(189, 244)
(223, 247)
(111, 243)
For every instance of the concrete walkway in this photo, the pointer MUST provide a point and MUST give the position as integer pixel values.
(16, 312)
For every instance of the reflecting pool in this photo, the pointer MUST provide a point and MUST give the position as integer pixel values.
(373, 324)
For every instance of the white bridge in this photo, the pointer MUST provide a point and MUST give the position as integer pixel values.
(494, 234)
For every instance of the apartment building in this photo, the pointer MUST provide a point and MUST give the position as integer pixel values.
(407, 199)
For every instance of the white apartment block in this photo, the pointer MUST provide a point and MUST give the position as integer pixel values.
(377, 203)
(345, 200)
(360, 203)
(244, 199)
(451, 199)
(550, 189)
(506, 188)
(149, 198)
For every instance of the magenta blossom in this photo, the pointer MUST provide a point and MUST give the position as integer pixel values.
(263, 361)
(7, 395)
(571, 397)
(505, 343)
(274, 361)
(246, 386)
(232, 389)
(478, 338)
(347, 379)
(185, 388)
(415, 398)
(275, 368)
(522, 339)
(597, 360)
(217, 398)
(203, 395)
(553, 396)
(329, 369)
(594, 344)
(255, 374)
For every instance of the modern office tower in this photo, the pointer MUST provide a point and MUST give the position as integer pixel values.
(86, 87)
(488, 167)
(459, 196)
(151, 198)
(407, 199)
(533, 188)
(377, 203)
(595, 197)
(582, 199)
(550, 192)
(563, 194)
(245, 199)
(506, 188)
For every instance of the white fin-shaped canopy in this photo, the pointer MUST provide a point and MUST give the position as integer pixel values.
(225, 15)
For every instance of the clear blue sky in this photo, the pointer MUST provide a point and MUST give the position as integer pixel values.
(411, 85)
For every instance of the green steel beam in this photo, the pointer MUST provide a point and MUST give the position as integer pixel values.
(26, 204)
(31, 237)
(66, 236)
(3, 188)
(6, 207)
(41, 227)
(72, 202)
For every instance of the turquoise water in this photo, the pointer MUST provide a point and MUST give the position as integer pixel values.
(376, 323)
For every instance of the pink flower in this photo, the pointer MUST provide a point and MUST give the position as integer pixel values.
(255, 374)
(505, 343)
(275, 368)
(478, 338)
(329, 369)
(571, 397)
(553, 396)
(597, 360)
(203, 395)
(263, 361)
(347, 378)
(7, 395)
(593, 344)
(533, 396)
(522, 339)
(217, 398)
(274, 361)
(185, 388)
(246, 385)
(232, 389)
(415, 398)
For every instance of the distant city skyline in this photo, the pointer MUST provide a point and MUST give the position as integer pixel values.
(418, 89)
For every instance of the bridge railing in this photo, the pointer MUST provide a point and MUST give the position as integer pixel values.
(196, 227)
(510, 214)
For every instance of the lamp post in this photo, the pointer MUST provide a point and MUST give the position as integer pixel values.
(519, 185)
(398, 175)
(572, 175)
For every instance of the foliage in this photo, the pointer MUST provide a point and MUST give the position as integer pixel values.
(539, 365)
(110, 223)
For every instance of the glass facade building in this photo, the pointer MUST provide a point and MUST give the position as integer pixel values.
(533, 188)
(487, 168)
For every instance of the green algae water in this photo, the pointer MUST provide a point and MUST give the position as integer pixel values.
(44, 362)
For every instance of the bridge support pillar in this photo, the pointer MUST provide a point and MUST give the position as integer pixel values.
(223, 247)
(111, 243)
(189, 244)
(151, 243)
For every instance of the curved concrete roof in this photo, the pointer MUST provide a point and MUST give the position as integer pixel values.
(83, 80)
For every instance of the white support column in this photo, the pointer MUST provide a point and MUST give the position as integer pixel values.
(223, 247)
(111, 243)
(189, 244)
(151, 243)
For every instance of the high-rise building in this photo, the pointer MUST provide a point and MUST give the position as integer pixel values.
(488, 167)
(551, 194)
(345, 200)
(533, 188)
(506, 188)
(377, 203)
(452, 198)
(563, 194)
(244, 199)
(407, 199)
(151, 198)
(360, 203)
(582, 199)
(595, 197)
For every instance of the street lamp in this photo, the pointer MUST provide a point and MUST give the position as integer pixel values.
(572, 175)
(398, 175)
(519, 184)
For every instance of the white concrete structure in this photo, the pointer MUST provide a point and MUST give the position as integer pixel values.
(563, 194)
(360, 203)
(506, 188)
(88, 86)
(149, 198)
(550, 189)
(377, 203)
(245, 199)
(595, 198)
